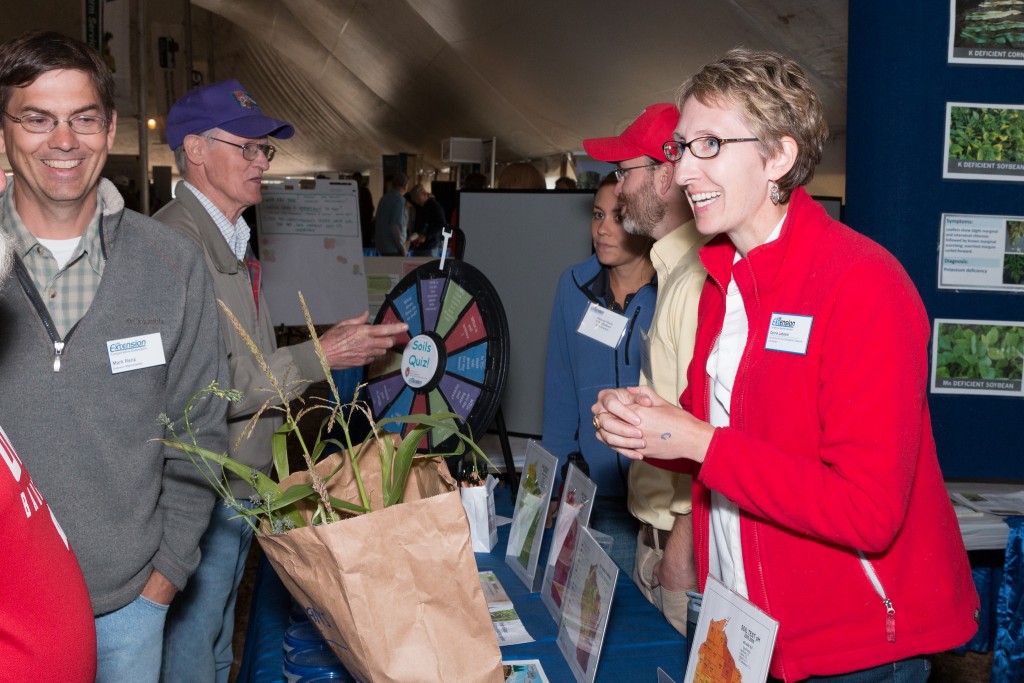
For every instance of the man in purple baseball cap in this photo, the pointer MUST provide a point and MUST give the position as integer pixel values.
(220, 139)
(227, 106)
(653, 205)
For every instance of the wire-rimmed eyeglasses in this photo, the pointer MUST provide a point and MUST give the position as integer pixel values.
(84, 124)
(704, 147)
(620, 173)
(250, 149)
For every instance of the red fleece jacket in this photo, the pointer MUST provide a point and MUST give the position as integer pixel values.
(830, 452)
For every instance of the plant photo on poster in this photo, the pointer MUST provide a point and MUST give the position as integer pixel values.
(984, 141)
(986, 32)
(978, 357)
(1013, 259)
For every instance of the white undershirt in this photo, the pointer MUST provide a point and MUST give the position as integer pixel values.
(61, 250)
(726, 548)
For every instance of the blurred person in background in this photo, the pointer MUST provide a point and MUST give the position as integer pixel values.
(521, 175)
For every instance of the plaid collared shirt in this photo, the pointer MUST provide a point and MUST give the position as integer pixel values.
(67, 292)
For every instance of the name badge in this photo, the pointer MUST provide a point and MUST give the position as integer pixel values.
(789, 333)
(603, 325)
(135, 353)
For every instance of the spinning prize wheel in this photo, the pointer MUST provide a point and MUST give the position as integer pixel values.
(454, 357)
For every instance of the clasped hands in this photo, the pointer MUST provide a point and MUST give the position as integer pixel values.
(638, 423)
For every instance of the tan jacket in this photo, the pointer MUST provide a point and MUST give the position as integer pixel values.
(655, 495)
(295, 366)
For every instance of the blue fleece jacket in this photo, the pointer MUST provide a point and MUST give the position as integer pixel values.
(578, 367)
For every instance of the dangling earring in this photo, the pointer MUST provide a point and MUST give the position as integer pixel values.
(773, 192)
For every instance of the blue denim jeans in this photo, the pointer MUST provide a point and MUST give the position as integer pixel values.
(912, 670)
(129, 642)
(201, 621)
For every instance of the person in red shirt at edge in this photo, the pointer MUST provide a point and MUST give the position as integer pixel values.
(47, 631)
(817, 493)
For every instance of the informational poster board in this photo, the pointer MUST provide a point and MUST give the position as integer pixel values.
(978, 357)
(574, 508)
(525, 538)
(989, 33)
(587, 606)
(309, 242)
(732, 634)
(984, 142)
(523, 241)
(981, 252)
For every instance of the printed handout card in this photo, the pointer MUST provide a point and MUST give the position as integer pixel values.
(978, 357)
(508, 627)
(586, 604)
(989, 32)
(527, 532)
(733, 640)
(573, 512)
(984, 142)
(982, 252)
(523, 671)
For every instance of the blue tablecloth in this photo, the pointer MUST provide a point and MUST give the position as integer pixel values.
(638, 640)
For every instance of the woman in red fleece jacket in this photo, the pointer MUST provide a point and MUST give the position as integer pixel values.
(817, 491)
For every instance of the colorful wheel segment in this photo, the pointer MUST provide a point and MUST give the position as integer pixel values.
(454, 358)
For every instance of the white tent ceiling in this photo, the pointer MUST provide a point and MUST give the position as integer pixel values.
(362, 78)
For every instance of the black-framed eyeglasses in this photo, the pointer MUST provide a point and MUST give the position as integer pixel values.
(250, 149)
(84, 124)
(704, 147)
(620, 173)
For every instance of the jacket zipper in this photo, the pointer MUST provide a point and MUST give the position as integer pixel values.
(30, 290)
(629, 337)
(890, 611)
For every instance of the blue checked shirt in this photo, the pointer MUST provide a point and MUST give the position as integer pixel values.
(236, 234)
(67, 292)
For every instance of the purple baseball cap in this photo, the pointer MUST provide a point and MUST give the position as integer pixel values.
(225, 105)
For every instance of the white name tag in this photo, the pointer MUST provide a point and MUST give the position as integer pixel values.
(789, 333)
(603, 325)
(135, 353)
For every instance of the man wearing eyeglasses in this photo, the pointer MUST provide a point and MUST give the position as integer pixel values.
(101, 336)
(220, 138)
(653, 206)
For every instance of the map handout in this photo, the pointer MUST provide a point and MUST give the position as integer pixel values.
(527, 532)
(586, 604)
(573, 512)
(732, 635)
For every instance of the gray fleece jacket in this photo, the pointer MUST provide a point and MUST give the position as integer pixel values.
(88, 435)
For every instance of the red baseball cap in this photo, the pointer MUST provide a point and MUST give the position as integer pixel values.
(644, 137)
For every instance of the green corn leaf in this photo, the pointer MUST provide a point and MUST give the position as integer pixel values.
(279, 448)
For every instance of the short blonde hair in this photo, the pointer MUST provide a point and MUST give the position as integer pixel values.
(776, 99)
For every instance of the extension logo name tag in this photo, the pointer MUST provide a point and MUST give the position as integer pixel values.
(789, 333)
(135, 353)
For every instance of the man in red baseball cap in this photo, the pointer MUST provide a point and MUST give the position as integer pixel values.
(653, 205)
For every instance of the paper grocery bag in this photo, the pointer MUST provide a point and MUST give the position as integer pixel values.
(395, 592)
(478, 502)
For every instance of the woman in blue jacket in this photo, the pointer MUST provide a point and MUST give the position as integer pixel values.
(614, 291)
